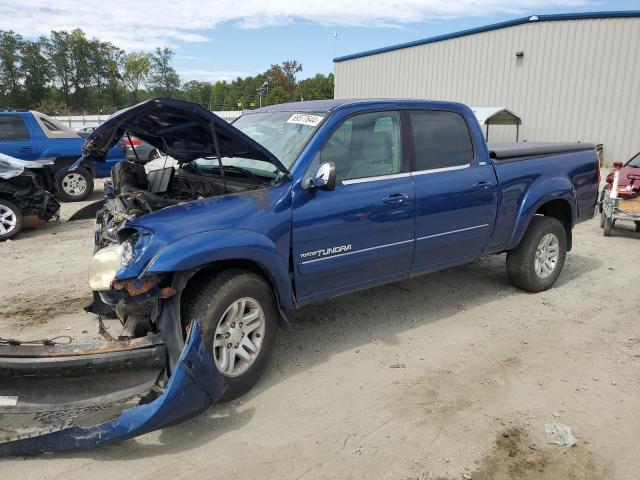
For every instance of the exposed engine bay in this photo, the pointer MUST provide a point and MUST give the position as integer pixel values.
(137, 190)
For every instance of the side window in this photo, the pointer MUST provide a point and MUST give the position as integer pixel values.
(366, 145)
(440, 139)
(12, 127)
(50, 126)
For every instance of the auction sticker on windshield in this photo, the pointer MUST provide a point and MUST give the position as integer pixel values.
(305, 119)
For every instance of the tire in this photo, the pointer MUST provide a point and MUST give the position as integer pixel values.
(602, 219)
(522, 267)
(209, 302)
(637, 226)
(10, 220)
(153, 154)
(73, 186)
(608, 225)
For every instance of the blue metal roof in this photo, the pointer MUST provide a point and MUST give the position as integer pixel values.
(495, 26)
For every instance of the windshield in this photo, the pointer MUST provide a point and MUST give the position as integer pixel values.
(282, 133)
(635, 161)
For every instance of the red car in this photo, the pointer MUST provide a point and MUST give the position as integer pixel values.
(632, 167)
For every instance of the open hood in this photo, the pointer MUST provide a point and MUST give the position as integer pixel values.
(183, 130)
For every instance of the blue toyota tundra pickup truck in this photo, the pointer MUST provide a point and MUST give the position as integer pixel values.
(198, 260)
(29, 135)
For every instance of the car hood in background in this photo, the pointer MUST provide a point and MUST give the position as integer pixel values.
(182, 130)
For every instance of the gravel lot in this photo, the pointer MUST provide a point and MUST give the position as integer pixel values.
(452, 375)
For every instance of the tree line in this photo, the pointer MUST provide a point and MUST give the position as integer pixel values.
(68, 73)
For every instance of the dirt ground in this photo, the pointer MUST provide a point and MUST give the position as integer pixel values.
(449, 376)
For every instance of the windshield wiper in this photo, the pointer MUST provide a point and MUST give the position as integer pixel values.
(243, 171)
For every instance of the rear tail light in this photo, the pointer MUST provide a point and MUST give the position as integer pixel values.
(134, 142)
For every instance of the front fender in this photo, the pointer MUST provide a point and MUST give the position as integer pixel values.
(546, 190)
(203, 248)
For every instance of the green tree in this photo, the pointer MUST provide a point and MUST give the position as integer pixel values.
(10, 72)
(319, 87)
(80, 52)
(58, 50)
(136, 71)
(36, 70)
(284, 77)
(198, 92)
(163, 77)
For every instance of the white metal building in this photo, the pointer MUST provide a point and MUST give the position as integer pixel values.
(570, 77)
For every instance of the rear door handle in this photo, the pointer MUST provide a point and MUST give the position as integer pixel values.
(482, 186)
(395, 198)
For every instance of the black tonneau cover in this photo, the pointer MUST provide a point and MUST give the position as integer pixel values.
(502, 151)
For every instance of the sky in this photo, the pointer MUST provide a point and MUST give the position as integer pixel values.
(224, 39)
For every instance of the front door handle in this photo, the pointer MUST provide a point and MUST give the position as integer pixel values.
(482, 186)
(25, 149)
(395, 198)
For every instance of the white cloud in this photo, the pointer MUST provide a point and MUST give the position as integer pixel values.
(144, 24)
(210, 75)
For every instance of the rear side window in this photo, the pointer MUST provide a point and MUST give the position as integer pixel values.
(50, 125)
(12, 127)
(440, 139)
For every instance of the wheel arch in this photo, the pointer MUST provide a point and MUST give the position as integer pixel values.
(214, 268)
(559, 204)
(223, 249)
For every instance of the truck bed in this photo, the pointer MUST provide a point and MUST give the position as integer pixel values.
(548, 167)
(502, 152)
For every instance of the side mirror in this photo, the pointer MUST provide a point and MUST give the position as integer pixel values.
(324, 178)
(617, 165)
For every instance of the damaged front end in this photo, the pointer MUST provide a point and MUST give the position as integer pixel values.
(59, 385)
(21, 184)
(153, 369)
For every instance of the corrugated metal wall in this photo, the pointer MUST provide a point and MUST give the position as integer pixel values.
(579, 80)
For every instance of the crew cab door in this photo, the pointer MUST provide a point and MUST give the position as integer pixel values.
(362, 232)
(456, 194)
(15, 140)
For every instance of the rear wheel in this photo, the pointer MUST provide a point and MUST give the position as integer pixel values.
(10, 220)
(535, 264)
(239, 319)
(73, 186)
(637, 226)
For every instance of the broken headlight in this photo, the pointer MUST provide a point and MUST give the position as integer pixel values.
(127, 255)
(109, 261)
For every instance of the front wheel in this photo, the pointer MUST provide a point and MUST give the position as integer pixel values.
(10, 220)
(239, 319)
(535, 264)
(73, 186)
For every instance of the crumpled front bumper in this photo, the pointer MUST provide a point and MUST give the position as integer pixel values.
(46, 386)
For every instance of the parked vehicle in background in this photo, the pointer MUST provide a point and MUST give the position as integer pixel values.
(24, 201)
(620, 197)
(137, 150)
(84, 132)
(29, 135)
(291, 204)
